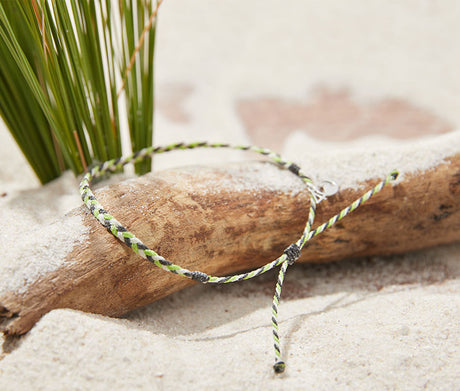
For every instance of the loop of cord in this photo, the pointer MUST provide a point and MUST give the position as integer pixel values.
(118, 230)
(289, 256)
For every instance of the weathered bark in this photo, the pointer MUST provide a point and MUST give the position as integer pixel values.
(228, 230)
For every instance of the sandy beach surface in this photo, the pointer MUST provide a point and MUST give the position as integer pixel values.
(384, 323)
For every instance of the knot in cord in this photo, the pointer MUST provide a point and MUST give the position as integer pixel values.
(199, 276)
(279, 367)
(292, 253)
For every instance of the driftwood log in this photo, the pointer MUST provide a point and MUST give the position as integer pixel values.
(229, 230)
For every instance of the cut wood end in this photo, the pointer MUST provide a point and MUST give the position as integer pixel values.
(20, 320)
(7, 320)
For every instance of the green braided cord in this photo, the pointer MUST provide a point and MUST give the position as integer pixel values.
(311, 219)
(279, 364)
(289, 256)
(118, 230)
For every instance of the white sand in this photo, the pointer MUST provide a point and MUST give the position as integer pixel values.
(348, 164)
(386, 324)
(31, 224)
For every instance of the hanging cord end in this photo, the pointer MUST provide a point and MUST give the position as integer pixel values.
(279, 367)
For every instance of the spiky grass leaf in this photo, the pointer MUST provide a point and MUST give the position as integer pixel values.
(59, 79)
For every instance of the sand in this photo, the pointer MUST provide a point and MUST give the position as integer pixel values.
(387, 323)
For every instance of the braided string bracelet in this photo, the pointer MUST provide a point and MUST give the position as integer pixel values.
(287, 258)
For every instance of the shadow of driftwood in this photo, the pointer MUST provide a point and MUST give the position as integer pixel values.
(357, 280)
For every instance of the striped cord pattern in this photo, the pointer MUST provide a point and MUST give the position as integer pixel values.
(289, 256)
(121, 232)
(279, 364)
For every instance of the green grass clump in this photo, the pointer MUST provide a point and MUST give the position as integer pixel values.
(66, 68)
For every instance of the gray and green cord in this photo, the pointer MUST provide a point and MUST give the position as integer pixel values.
(287, 258)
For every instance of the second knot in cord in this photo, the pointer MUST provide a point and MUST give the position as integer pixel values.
(292, 253)
(199, 276)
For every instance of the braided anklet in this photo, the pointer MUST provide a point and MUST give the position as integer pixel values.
(288, 257)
